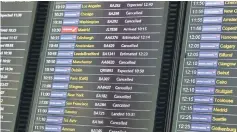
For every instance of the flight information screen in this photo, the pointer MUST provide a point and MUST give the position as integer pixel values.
(206, 92)
(100, 67)
(16, 27)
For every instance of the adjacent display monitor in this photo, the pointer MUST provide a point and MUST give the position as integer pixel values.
(206, 91)
(100, 67)
(16, 27)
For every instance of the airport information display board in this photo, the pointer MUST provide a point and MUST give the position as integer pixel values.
(206, 92)
(16, 27)
(99, 69)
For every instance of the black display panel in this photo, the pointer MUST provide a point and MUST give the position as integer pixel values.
(16, 26)
(100, 67)
(206, 90)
